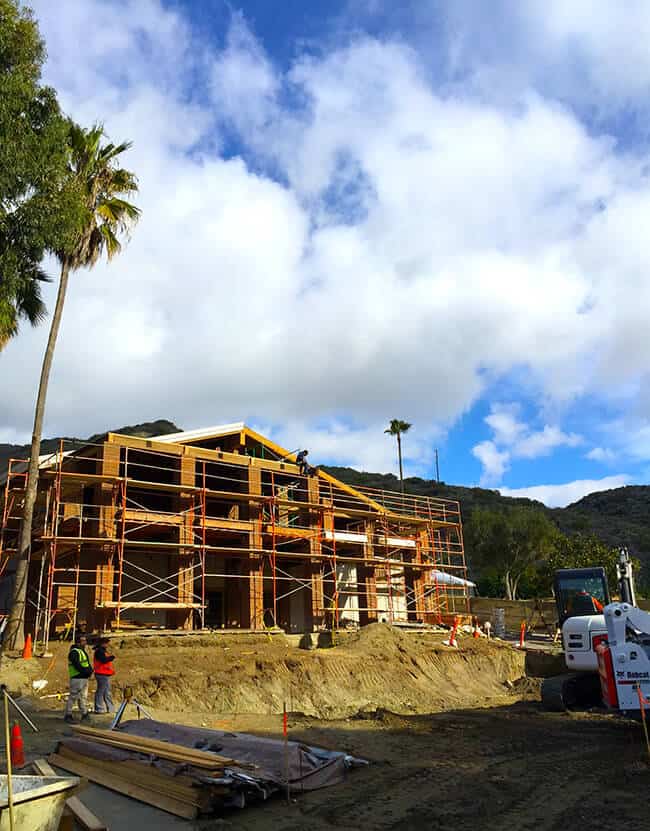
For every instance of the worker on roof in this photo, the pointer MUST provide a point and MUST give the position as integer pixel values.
(79, 672)
(303, 464)
(584, 603)
(103, 669)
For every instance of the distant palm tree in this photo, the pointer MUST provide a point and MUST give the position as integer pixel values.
(93, 169)
(398, 428)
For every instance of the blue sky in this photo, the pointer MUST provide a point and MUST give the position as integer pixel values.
(356, 210)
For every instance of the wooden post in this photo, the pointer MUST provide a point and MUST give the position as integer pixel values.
(185, 561)
(255, 562)
(369, 576)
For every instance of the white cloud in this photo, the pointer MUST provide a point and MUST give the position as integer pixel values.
(544, 441)
(517, 441)
(601, 454)
(366, 448)
(558, 496)
(380, 246)
(504, 422)
(495, 462)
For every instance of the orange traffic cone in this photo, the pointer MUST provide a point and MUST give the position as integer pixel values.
(27, 649)
(16, 747)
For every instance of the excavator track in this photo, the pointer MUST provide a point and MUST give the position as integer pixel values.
(572, 691)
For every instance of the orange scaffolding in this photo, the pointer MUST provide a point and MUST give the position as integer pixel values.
(362, 554)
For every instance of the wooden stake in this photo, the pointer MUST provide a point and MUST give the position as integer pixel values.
(10, 793)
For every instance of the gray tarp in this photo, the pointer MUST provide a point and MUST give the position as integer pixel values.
(309, 767)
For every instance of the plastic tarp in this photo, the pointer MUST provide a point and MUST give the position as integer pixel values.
(309, 767)
(449, 579)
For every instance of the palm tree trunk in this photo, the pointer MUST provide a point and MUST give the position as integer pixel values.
(15, 637)
(399, 454)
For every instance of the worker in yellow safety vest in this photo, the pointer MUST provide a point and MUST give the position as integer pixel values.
(79, 672)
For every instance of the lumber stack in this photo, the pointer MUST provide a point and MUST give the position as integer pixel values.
(177, 779)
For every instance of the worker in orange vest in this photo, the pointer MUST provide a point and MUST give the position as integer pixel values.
(103, 669)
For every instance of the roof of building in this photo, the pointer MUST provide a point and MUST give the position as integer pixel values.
(201, 433)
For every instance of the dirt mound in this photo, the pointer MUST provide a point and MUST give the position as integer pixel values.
(379, 667)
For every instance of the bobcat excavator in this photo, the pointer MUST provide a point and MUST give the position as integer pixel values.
(606, 645)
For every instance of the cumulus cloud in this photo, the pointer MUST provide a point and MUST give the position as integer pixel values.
(558, 496)
(517, 440)
(335, 243)
(495, 462)
(601, 454)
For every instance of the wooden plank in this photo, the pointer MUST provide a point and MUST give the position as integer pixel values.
(119, 785)
(113, 604)
(152, 517)
(198, 758)
(144, 776)
(82, 815)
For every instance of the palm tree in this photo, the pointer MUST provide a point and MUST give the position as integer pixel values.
(23, 301)
(102, 184)
(397, 428)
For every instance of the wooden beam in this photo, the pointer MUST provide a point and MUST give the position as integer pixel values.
(119, 785)
(82, 815)
(113, 604)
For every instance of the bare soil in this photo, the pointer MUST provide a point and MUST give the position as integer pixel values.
(456, 739)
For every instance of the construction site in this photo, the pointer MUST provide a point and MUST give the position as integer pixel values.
(219, 529)
(290, 645)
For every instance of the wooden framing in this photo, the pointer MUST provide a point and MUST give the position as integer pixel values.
(221, 529)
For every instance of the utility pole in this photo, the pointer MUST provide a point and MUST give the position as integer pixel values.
(437, 468)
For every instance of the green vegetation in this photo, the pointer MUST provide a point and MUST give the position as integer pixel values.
(39, 203)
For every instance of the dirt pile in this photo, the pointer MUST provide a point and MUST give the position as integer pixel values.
(380, 667)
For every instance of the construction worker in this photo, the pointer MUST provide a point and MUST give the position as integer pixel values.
(79, 671)
(303, 464)
(103, 669)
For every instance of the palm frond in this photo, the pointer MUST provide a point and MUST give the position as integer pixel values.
(105, 186)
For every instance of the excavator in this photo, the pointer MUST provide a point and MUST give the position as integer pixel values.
(606, 644)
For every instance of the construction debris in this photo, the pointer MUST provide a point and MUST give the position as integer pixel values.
(189, 771)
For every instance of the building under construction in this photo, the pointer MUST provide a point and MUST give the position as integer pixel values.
(218, 528)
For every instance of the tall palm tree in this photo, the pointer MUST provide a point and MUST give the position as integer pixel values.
(103, 186)
(398, 428)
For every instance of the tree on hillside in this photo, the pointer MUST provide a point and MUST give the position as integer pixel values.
(397, 428)
(39, 205)
(93, 167)
(582, 551)
(509, 544)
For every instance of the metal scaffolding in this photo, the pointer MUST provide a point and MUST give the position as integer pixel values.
(258, 528)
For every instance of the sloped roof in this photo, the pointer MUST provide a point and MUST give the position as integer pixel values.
(202, 433)
(220, 430)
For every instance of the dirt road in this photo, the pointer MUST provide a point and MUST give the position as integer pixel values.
(506, 767)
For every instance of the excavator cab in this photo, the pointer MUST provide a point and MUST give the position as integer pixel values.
(580, 592)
